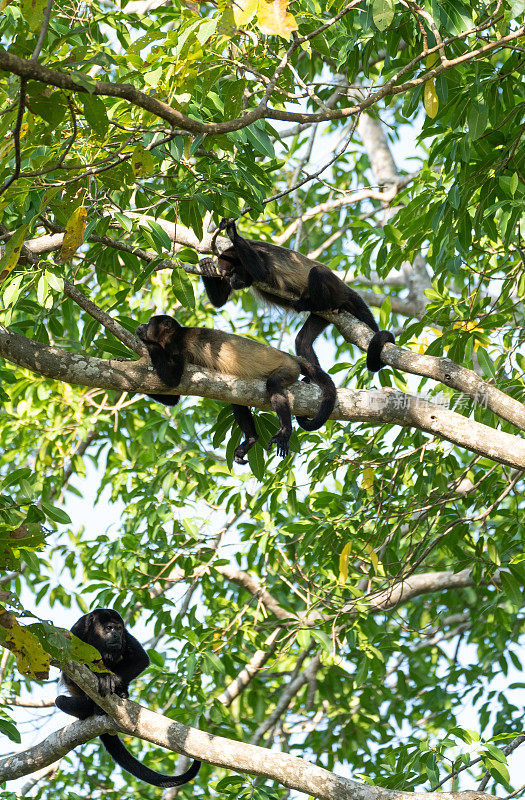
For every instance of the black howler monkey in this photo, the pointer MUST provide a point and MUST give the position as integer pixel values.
(170, 345)
(104, 629)
(319, 289)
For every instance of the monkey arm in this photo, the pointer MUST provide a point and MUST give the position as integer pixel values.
(168, 363)
(250, 259)
(135, 660)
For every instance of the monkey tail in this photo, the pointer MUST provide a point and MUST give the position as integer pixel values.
(323, 380)
(132, 765)
(357, 306)
(374, 361)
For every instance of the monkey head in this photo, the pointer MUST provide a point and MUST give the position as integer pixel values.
(159, 330)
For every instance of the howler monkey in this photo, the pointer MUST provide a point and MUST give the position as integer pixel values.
(121, 653)
(319, 289)
(170, 345)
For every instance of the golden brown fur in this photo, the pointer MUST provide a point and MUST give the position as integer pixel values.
(236, 355)
(171, 346)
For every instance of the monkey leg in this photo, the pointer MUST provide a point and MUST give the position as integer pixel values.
(325, 291)
(244, 419)
(311, 329)
(275, 387)
(80, 707)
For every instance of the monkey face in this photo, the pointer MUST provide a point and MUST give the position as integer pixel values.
(159, 330)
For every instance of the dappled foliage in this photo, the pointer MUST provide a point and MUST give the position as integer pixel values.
(393, 690)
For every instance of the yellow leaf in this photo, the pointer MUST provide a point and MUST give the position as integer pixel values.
(142, 161)
(274, 18)
(74, 235)
(373, 558)
(367, 481)
(11, 253)
(432, 59)
(31, 657)
(469, 325)
(430, 99)
(244, 11)
(343, 562)
(423, 345)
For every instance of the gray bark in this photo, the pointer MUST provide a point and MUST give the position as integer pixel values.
(372, 406)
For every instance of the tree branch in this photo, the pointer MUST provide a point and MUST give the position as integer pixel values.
(127, 338)
(135, 720)
(63, 80)
(372, 406)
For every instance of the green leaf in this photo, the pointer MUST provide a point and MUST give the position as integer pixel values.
(215, 662)
(8, 728)
(142, 163)
(16, 476)
(56, 514)
(485, 362)
(511, 588)
(182, 288)
(478, 116)
(383, 13)
(257, 461)
(95, 113)
(324, 640)
(33, 12)
(260, 140)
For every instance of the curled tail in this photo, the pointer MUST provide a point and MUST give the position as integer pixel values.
(357, 306)
(326, 384)
(373, 354)
(130, 764)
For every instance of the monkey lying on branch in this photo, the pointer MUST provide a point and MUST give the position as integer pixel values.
(121, 653)
(316, 286)
(171, 345)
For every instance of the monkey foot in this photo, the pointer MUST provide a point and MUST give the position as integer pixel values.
(281, 440)
(242, 449)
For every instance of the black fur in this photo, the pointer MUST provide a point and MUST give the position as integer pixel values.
(319, 289)
(104, 629)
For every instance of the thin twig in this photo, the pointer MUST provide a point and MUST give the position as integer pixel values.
(43, 31)
(16, 136)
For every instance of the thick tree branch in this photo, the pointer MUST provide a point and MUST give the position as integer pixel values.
(53, 747)
(135, 720)
(397, 594)
(372, 406)
(425, 583)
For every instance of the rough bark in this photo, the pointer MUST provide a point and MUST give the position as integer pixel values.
(372, 406)
(134, 720)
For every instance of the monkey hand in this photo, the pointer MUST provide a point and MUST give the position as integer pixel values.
(211, 269)
(107, 683)
(281, 440)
